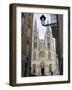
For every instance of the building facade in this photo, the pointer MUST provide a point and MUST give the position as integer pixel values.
(44, 59)
(57, 31)
(26, 39)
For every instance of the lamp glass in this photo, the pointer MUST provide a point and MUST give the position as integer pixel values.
(42, 21)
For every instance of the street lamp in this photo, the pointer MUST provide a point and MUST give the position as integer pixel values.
(43, 18)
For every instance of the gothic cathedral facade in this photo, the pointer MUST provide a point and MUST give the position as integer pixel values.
(44, 61)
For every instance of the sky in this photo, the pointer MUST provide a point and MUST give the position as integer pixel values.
(40, 28)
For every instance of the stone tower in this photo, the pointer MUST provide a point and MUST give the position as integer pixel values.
(44, 58)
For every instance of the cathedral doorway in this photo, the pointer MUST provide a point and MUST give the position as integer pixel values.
(42, 71)
(42, 68)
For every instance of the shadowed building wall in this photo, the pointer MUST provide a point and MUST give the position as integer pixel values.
(57, 31)
(27, 22)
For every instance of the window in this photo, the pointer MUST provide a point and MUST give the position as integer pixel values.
(35, 37)
(35, 44)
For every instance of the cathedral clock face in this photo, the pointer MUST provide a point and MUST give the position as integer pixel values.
(41, 54)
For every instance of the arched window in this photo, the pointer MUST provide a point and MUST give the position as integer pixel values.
(35, 44)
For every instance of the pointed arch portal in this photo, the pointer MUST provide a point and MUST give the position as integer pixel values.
(42, 66)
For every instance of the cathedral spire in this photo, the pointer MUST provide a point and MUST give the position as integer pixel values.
(35, 25)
